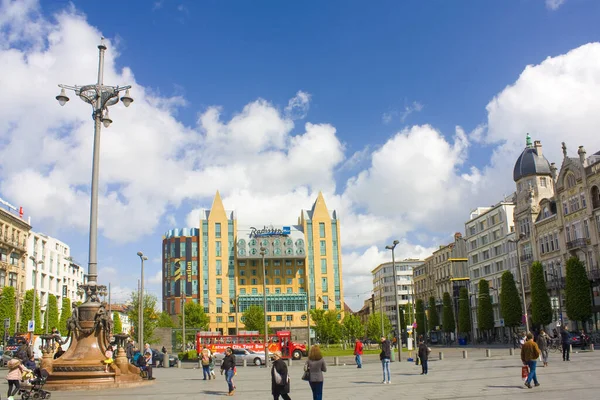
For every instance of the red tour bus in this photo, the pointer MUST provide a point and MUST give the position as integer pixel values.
(251, 340)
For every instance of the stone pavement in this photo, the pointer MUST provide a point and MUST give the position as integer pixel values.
(477, 377)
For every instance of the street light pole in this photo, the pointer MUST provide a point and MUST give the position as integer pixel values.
(398, 337)
(381, 305)
(35, 264)
(263, 252)
(521, 237)
(183, 301)
(100, 97)
(141, 301)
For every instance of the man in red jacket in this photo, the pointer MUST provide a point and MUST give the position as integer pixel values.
(358, 350)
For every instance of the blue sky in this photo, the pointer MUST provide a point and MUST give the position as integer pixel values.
(380, 83)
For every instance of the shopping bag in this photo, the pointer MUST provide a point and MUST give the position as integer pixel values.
(417, 361)
(524, 371)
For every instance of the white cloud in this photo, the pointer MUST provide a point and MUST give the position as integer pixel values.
(298, 106)
(389, 116)
(155, 277)
(554, 4)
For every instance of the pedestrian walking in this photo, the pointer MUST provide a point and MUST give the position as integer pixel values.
(228, 367)
(543, 342)
(280, 380)
(15, 373)
(423, 356)
(529, 355)
(385, 356)
(129, 350)
(205, 360)
(565, 338)
(358, 351)
(315, 365)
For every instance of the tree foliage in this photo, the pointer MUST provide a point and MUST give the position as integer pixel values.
(420, 316)
(327, 325)
(118, 325)
(541, 308)
(374, 327)
(52, 310)
(464, 312)
(434, 317)
(485, 309)
(65, 314)
(195, 317)
(165, 320)
(254, 319)
(352, 328)
(449, 325)
(150, 315)
(8, 310)
(26, 312)
(578, 296)
(510, 301)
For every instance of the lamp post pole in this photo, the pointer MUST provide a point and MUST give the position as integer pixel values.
(35, 264)
(397, 305)
(521, 237)
(100, 97)
(183, 301)
(381, 305)
(263, 252)
(141, 302)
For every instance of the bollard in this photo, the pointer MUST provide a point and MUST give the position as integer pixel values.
(570, 348)
(244, 363)
(336, 361)
(591, 346)
(289, 362)
(178, 363)
(441, 355)
(166, 363)
(488, 353)
(465, 355)
(511, 351)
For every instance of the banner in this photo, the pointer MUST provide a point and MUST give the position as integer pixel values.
(188, 266)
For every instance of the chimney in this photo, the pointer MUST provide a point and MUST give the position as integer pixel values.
(581, 153)
(538, 147)
(553, 170)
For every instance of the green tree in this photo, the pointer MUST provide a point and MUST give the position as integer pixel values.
(420, 315)
(52, 310)
(26, 312)
(485, 309)
(150, 315)
(118, 325)
(65, 314)
(254, 319)
(374, 327)
(327, 325)
(165, 320)
(578, 296)
(195, 317)
(352, 328)
(541, 308)
(449, 324)
(464, 312)
(510, 301)
(434, 317)
(8, 310)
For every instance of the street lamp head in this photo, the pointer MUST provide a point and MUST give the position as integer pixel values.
(389, 247)
(140, 254)
(62, 97)
(144, 258)
(32, 258)
(263, 249)
(396, 242)
(127, 99)
(106, 119)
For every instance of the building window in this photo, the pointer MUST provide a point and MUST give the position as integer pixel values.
(323, 248)
(321, 229)
(219, 286)
(324, 284)
(323, 265)
(12, 279)
(278, 281)
(242, 272)
(242, 281)
(254, 291)
(253, 281)
(217, 230)
(570, 180)
(219, 267)
(289, 281)
(543, 182)
(288, 272)
(218, 248)
(2, 278)
(586, 228)
(565, 208)
(583, 202)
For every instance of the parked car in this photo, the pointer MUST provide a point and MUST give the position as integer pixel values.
(576, 340)
(6, 357)
(251, 357)
(158, 357)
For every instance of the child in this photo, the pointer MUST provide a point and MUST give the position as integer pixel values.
(206, 360)
(15, 372)
(109, 358)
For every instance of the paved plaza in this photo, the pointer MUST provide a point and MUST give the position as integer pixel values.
(452, 378)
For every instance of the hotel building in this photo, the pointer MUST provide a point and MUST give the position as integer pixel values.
(220, 265)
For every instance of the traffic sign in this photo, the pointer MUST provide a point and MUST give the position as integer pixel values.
(30, 325)
(6, 323)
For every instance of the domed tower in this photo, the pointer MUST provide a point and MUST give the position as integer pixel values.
(533, 176)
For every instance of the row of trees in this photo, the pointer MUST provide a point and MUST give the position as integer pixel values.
(8, 310)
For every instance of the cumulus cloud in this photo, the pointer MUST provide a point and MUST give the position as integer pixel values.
(554, 4)
(389, 116)
(298, 106)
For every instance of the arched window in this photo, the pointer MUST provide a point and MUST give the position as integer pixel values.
(570, 179)
(595, 197)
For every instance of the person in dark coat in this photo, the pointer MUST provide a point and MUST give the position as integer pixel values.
(566, 342)
(283, 387)
(423, 356)
(228, 367)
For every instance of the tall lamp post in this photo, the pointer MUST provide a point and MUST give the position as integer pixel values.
(263, 252)
(141, 303)
(35, 264)
(398, 337)
(100, 97)
(556, 279)
(521, 237)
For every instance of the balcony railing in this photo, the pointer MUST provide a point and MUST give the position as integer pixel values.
(526, 257)
(594, 274)
(576, 243)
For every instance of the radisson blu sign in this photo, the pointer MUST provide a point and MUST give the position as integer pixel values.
(269, 231)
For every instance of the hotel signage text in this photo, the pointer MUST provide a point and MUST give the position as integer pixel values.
(265, 231)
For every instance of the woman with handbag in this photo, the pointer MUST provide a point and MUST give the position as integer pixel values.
(313, 371)
(280, 380)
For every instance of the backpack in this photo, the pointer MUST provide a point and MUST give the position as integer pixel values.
(205, 360)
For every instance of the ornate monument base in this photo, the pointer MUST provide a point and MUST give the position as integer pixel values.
(82, 365)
